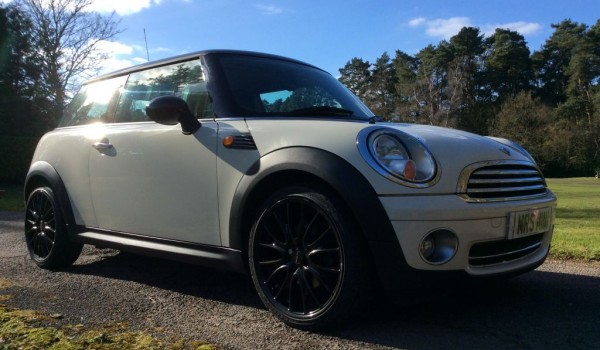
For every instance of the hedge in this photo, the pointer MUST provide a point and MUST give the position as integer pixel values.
(15, 157)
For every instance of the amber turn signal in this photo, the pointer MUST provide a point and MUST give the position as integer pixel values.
(228, 141)
(410, 170)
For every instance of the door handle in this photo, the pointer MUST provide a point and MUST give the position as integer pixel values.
(102, 145)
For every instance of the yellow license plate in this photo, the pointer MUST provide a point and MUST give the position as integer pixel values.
(530, 222)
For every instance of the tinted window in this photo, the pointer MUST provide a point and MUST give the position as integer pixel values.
(93, 103)
(184, 80)
(265, 86)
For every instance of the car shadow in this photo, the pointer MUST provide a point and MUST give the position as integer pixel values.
(536, 310)
(189, 279)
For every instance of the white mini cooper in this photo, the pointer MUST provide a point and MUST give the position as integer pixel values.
(267, 165)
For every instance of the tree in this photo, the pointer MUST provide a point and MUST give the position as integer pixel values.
(407, 99)
(464, 79)
(551, 63)
(381, 94)
(507, 63)
(526, 120)
(67, 37)
(431, 84)
(356, 75)
(19, 75)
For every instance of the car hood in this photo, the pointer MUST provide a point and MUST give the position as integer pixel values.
(453, 150)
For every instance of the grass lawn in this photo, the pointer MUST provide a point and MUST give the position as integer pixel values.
(577, 225)
(29, 329)
(12, 199)
(576, 231)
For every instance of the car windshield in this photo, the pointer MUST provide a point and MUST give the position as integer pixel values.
(262, 86)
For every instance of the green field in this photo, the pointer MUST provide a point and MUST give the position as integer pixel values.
(577, 226)
(576, 232)
(12, 199)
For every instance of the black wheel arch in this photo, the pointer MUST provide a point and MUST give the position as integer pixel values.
(44, 174)
(317, 167)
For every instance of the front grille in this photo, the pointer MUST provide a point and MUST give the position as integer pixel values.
(497, 252)
(501, 181)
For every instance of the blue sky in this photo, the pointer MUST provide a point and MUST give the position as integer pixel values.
(324, 33)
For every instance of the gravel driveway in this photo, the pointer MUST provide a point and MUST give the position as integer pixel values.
(556, 306)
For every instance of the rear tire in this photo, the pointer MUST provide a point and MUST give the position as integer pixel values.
(306, 261)
(46, 233)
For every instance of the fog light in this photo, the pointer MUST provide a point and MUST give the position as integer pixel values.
(427, 247)
(438, 247)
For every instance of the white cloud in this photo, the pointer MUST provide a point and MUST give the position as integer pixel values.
(524, 28)
(268, 9)
(122, 7)
(416, 22)
(114, 48)
(445, 28)
(441, 28)
(120, 55)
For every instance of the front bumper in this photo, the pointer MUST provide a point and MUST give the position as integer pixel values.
(481, 229)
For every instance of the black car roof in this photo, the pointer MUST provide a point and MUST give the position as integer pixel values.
(190, 56)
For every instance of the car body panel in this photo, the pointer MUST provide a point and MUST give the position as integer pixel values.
(156, 181)
(67, 151)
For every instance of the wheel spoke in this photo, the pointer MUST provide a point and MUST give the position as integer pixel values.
(273, 246)
(271, 262)
(284, 283)
(276, 271)
(272, 236)
(308, 227)
(291, 289)
(310, 287)
(47, 239)
(285, 229)
(319, 278)
(321, 236)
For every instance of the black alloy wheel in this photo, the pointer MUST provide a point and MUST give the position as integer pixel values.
(302, 259)
(45, 232)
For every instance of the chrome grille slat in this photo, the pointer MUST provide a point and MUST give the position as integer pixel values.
(503, 251)
(514, 180)
(501, 181)
(506, 172)
(505, 189)
(516, 251)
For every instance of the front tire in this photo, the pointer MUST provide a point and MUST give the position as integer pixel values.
(305, 259)
(46, 233)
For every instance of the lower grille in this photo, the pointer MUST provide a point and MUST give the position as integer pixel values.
(497, 252)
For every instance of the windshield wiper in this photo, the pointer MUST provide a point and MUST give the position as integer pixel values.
(320, 111)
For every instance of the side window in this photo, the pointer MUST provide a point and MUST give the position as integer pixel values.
(93, 103)
(183, 79)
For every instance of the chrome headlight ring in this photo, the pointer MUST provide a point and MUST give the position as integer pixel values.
(398, 156)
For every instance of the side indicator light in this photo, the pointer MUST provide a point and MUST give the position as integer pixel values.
(228, 141)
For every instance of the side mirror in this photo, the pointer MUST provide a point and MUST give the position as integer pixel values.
(170, 110)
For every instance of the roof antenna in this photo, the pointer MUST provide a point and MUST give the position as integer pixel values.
(146, 41)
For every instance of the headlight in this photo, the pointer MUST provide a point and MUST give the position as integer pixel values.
(398, 156)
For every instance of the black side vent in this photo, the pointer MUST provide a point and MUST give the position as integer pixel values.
(242, 141)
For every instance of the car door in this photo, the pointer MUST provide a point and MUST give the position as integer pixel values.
(149, 179)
